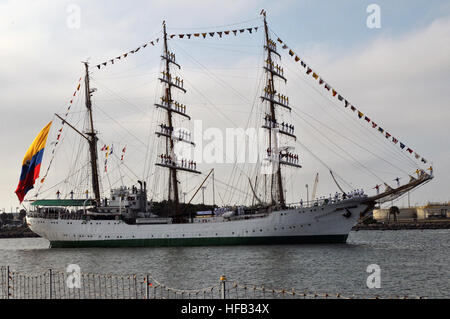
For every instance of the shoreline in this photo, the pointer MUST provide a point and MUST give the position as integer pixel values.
(444, 224)
(19, 232)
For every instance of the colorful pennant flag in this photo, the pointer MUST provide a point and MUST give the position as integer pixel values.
(341, 98)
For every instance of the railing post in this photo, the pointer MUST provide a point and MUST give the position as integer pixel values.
(7, 282)
(50, 283)
(147, 288)
(135, 287)
(223, 280)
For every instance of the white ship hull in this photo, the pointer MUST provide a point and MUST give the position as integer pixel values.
(323, 224)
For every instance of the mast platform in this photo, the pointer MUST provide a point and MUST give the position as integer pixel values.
(272, 50)
(271, 99)
(170, 108)
(282, 162)
(171, 61)
(174, 138)
(170, 83)
(275, 73)
(177, 167)
(279, 131)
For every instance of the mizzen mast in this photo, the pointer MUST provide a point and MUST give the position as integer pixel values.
(169, 159)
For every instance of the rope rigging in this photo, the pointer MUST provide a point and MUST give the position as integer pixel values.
(392, 151)
(236, 188)
(347, 103)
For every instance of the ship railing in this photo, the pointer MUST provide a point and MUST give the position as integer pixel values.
(323, 201)
(55, 215)
(74, 284)
(240, 217)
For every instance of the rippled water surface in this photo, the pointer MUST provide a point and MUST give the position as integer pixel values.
(412, 262)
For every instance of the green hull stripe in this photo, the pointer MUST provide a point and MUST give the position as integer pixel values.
(165, 242)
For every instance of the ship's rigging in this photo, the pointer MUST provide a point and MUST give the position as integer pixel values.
(169, 158)
(275, 118)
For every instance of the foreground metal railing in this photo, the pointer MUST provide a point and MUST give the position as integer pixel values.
(53, 284)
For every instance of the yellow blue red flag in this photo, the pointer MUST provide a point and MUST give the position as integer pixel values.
(31, 164)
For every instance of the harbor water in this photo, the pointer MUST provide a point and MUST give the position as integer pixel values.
(412, 263)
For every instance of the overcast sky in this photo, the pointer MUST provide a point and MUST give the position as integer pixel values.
(398, 74)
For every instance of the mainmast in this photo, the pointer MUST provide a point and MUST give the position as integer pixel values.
(168, 159)
(275, 100)
(92, 138)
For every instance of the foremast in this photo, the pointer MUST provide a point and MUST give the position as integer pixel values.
(173, 108)
(275, 100)
(92, 140)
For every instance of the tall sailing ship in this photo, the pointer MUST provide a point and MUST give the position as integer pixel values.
(128, 218)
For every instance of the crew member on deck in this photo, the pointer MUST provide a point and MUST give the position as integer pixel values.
(377, 187)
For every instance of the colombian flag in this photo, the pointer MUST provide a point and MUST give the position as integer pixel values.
(31, 164)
